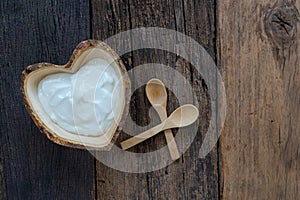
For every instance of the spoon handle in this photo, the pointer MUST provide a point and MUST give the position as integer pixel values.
(142, 136)
(172, 144)
(168, 134)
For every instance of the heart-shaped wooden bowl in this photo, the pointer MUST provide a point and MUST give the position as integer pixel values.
(84, 52)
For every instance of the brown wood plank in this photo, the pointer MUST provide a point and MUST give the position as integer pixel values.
(35, 168)
(189, 177)
(260, 64)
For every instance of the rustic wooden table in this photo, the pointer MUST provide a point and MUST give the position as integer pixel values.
(255, 46)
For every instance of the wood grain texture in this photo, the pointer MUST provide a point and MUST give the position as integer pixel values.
(32, 32)
(189, 177)
(2, 186)
(257, 52)
(260, 65)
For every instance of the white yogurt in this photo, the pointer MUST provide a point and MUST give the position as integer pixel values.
(82, 103)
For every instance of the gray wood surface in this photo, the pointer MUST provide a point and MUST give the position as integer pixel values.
(255, 45)
(35, 168)
(2, 186)
(189, 177)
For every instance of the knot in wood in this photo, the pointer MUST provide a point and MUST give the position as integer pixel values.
(281, 25)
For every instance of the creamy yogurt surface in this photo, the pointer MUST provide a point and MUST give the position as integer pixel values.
(83, 103)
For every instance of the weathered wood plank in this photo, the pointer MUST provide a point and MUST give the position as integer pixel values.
(2, 186)
(259, 58)
(189, 177)
(30, 32)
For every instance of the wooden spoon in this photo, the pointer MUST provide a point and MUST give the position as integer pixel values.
(157, 95)
(182, 116)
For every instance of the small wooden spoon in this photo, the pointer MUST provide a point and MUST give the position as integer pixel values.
(157, 95)
(182, 116)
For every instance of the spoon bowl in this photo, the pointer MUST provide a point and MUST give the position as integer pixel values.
(156, 93)
(183, 116)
